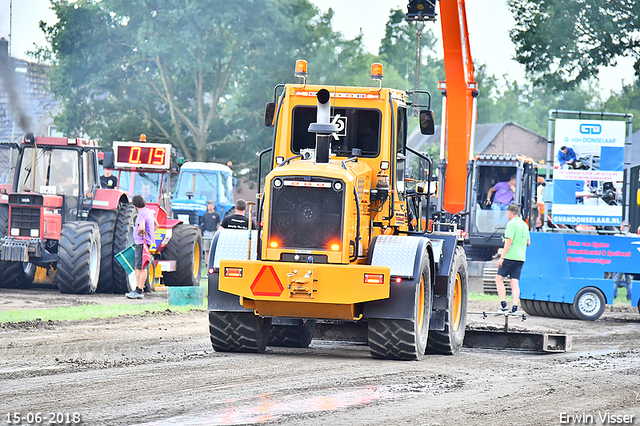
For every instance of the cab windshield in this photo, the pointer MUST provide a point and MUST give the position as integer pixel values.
(140, 183)
(56, 172)
(199, 185)
(359, 129)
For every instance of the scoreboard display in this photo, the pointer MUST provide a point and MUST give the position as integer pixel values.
(142, 155)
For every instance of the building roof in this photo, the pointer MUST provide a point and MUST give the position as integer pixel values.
(485, 134)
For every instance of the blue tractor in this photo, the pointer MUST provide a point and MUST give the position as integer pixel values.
(198, 183)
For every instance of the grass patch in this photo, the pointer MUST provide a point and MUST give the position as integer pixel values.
(84, 312)
(483, 297)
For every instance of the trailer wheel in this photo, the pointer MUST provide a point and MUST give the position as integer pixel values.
(150, 283)
(238, 331)
(449, 341)
(292, 336)
(588, 304)
(404, 339)
(185, 247)
(122, 238)
(106, 220)
(78, 258)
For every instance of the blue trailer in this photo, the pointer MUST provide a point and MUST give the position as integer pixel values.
(568, 275)
(198, 183)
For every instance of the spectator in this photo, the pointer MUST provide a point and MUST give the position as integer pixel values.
(513, 256)
(108, 181)
(143, 237)
(209, 225)
(238, 220)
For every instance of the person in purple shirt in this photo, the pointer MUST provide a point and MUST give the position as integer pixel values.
(505, 193)
(143, 232)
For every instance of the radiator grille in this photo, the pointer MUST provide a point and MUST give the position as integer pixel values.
(193, 215)
(25, 219)
(306, 217)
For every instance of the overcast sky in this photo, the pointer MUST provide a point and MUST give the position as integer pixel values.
(489, 22)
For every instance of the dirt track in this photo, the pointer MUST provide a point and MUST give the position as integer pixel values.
(161, 370)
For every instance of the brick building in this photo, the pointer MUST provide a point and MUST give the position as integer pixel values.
(502, 138)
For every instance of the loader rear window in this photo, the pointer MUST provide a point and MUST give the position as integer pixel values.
(360, 128)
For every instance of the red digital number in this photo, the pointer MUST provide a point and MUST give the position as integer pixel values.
(134, 155)
(158, 156)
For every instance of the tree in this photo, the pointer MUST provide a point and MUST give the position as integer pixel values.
(398, 50)
(194, 73)
(563, 42)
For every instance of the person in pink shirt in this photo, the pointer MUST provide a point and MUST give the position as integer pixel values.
(505, 192)
(143, 234)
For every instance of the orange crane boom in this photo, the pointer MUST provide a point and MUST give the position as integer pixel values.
(461, 91)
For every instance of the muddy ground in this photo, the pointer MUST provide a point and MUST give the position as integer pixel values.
(160, 369)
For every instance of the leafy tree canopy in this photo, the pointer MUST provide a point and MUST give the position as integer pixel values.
(563, 42)
(194, 73)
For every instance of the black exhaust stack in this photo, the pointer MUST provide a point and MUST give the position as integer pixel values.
(323, 128)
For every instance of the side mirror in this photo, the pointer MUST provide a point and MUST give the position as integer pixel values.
(427, 122)
(270, 114)
(107, 161)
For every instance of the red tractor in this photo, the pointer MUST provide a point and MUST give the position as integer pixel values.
(144, 168)
(57, 225)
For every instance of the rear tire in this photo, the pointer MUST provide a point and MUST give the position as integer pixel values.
(588, 304)
(405, 339)
(185, 247)
(449, 341)
(292, 336)
(106, 220)
(238, 331)
(122, 238)
(78, 258)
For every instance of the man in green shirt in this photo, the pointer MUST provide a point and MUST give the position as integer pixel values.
(516, 240)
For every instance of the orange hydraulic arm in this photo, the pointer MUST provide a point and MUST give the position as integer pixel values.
(459, 104)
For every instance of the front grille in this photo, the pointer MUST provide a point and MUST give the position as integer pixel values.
(25, 219)
(193, 216)
(306, 217)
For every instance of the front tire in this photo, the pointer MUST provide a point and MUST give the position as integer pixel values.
(17, 274)
(238, 331)
(78, 258)
(405, 339)
(106, 220)
(450, 340)
(185, 247)
(588, 304)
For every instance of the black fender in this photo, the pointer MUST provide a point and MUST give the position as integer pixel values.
(401, 299)
(220, 300)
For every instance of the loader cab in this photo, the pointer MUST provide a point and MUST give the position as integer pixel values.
(486, 222)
